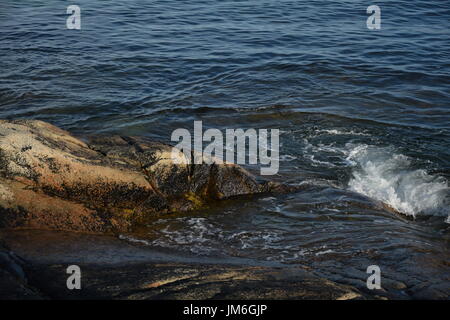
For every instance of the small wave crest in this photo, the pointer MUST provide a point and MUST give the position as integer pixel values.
(389, 177)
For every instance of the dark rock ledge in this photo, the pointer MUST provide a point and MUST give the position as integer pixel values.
(174, 281)
(13, 280)
(42, 279)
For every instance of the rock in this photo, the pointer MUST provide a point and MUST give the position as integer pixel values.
(431, 291)
(14, 284)
(169, 281)
(13, 289)
(114, 269)
(52, 180)
(9, 264)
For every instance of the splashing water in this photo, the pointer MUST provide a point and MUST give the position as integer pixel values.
(389, 177)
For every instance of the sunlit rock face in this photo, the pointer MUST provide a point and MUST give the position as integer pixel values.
(52, 180)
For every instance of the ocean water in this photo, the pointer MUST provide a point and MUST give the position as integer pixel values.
(364, 116)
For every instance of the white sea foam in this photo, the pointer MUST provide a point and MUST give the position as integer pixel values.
(201, 236)
(343, 132)
(389, 177)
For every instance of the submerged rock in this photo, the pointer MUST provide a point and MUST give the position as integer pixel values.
(52, 180)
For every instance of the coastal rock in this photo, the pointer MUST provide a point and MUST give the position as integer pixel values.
(32, 276)
(14, 283)
(51, 180)
(174, 281)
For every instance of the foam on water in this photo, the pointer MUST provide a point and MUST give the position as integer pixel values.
(389, 177)
(204, 237)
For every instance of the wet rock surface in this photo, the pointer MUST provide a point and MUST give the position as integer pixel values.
(189, 281)
(33, 265)
(52, 180)
(13, 281)
(139, 274)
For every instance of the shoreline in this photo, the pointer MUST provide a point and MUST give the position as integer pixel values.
(140, 273)
(86, 192)
(52, 180)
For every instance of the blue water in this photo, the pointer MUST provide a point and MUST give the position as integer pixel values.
(364, 113)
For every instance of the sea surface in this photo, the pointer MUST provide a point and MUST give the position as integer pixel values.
(364, 117)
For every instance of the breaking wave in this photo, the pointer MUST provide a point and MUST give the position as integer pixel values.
(389, 177)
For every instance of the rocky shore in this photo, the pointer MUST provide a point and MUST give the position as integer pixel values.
(50, 180)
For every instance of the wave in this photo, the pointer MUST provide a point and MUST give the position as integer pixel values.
(389, 177)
